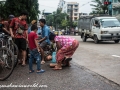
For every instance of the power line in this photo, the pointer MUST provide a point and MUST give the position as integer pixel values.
(84, 4)
(55, 7)
(47, 6)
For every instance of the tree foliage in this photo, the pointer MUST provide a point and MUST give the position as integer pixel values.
(64, 23)
(99, 7)
(59, 19)
(15, 7)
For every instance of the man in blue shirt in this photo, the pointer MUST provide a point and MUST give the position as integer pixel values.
(45, 37)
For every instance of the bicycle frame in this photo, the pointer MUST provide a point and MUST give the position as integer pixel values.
(7, 45)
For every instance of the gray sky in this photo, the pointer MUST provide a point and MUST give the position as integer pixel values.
(51, 5)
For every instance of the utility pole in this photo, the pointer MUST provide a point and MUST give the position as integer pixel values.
(66, 19)
(43, 15)
(107, 4)
(71, 19)
(55, 22)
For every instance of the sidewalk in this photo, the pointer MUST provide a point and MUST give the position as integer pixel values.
(70, 78)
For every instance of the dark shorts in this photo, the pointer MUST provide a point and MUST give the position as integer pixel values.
(43, 44)
(21, 43)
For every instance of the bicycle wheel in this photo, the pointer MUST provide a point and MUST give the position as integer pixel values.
(16, 54)
(14, 49)
(6, 63)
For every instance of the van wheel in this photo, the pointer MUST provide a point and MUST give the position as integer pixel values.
(84, 38)
(96, 41)
(116, 41)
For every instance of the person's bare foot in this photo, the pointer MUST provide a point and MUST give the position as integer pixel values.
(23, 63)
(52, 65)
(57, 68)
(42, 62)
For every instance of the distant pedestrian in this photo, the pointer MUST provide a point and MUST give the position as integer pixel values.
(34, 22)
(34, 50)
(66, 47)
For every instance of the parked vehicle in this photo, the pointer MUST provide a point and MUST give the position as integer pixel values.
(58, 33)
(76, 32)
(99, 28)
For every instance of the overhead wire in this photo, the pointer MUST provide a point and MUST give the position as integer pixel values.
(47, 6)
(55, 7)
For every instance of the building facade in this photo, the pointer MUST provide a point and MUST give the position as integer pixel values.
(114, 7)
(71, 8)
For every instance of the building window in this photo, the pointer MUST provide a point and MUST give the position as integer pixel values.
(68, 10)
(116, 11)
(75, 18)
(115, 1)
(75, 14)
(75, 10)
(76, 6)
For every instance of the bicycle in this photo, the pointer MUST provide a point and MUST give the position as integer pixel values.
(7, 58)
(6, 63)
(8, 42)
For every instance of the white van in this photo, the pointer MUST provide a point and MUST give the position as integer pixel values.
(99, 28)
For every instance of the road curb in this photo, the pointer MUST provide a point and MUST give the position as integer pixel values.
(114, 84)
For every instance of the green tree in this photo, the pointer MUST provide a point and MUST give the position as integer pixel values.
(99, 7)
(56, 19)
(64, 23)
(93, 12)
(50, 20)
(17, 6)
(2, 9)
(74, 24)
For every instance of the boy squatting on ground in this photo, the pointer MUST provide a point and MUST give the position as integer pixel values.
(34, 50)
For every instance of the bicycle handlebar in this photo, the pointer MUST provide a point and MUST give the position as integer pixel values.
(2, 35)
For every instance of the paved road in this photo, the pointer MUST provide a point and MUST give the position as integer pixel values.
(77, 77)
(102, 58)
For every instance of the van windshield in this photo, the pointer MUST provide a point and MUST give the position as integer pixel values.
(110, 23)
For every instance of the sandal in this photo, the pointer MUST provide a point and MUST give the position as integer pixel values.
(31, 71)
(68, 59)
(56, 68)
(42, 62)
(67, 65)
(41, 71)
(52, 65)
(23, 65)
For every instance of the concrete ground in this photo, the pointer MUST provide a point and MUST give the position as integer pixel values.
(75, 77)
(92, 68)
(102, 58)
